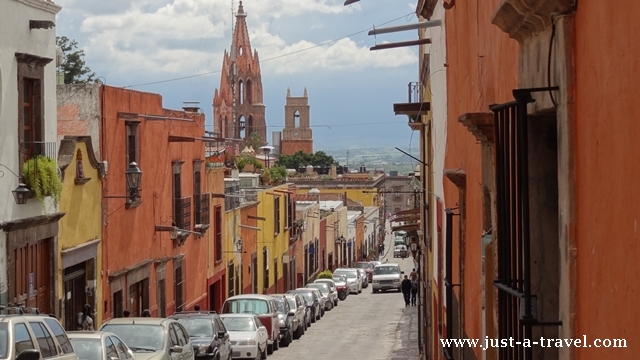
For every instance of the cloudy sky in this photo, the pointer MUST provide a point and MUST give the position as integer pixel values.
(175, 47)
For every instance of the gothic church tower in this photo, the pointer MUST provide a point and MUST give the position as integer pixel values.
(238, 108)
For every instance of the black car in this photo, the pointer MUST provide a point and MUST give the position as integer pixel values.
(285, 320)
(208, 333)
(313, 303)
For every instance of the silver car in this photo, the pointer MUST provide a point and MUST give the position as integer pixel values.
(323, 300)
(326, 294)
(99, 345)
(365, 278)
(333, 292)
(354, 280)
(157, 338)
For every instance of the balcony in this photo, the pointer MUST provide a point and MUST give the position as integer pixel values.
(414, 108)
(182, 213)
(32, 149)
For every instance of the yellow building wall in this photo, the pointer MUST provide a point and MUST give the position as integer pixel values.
(276, 243)
(231, 224)
(214, 184)
(365, 196)
(82, 205)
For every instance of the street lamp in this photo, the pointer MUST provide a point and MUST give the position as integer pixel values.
(267, 150)
(133, 176)
(21, 194)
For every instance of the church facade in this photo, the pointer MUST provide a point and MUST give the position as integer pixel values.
(238, 108)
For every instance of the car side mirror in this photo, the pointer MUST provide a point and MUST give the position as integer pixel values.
(29, 354)
(262, 328)
(221, 334)
(176, 349)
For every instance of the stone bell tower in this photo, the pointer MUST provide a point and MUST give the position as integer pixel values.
(297, 134)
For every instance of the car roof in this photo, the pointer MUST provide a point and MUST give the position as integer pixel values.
(194, 315)
(137, 321)
(88, 334)
(238, 315)
(250, 296)
(388, 264)
(323, 280)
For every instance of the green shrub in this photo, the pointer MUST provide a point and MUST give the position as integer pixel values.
(327, 274)
(40, 174)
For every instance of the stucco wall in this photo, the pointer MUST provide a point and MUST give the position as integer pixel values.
(15, 37)
(482, 70)
(606, 147)
(79, 112)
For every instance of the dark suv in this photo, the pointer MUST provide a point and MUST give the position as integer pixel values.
(208, 333)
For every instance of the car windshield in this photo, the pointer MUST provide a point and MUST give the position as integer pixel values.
(338, 279)
(4, 335)
(386, 270)
(363, 265)
(401, 247)
(139, 337)
(280, 306)
(87, 349)
(197, 327)
(292, 303)
(349, 274)
(306, 295)
(322, 287)
(239, 323)
(246, 306)
(327, 282)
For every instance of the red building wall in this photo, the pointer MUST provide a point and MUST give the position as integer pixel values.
(129, 236)
(482, 70)
(606, 176)
(290, 147)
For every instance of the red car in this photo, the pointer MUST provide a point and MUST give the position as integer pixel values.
(368, 268)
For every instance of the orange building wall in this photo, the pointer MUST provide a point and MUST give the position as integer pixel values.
(482, 70)
(250, 242)
(290, 147)
(606, 141)
(129, 234)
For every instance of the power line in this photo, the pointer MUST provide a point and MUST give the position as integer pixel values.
(268, 59)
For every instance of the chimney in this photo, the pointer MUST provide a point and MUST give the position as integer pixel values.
(191, 106)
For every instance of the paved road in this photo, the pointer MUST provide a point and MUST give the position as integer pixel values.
(364, 326)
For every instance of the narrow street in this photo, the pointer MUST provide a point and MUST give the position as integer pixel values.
(364, 326)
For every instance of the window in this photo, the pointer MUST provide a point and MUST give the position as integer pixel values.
(179, 284)
(197, 192)
(59, 333)
(218, 228)
(122, 350)
(241, 90)
(231, 285)
(276, 215)
(289, 212)
(173, 336)
(45, 342)
(265, 261)
(181, 205)
(132, 142)
(182, 340)
(22, 338)
(110, 348)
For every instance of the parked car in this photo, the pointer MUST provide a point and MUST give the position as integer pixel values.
(262, 305)
(373, 264)
(32, 337)
(300, 317)
(342, 286)
(333, 291)
(368, 268)
(249, 337)
(400, 251)
(365, 278)
(326, 293)
(354, 280)
(99, 345)
(387, 277)
(156, 338)
(285, 319)
(208, 334)
(312, 300)
(322, 300)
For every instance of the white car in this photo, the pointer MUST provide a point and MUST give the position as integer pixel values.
(248, 336)
(99, 345)
(387, 277)
(354, 280)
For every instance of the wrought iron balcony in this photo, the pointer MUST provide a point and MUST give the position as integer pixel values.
(414, 108)
(32, 149)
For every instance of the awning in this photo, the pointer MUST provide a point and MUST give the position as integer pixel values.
(406, 227)
(80, 253)
(407, 218)
(408, 212)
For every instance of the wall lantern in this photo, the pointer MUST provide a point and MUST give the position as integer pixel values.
(134, 178)
(21, 194)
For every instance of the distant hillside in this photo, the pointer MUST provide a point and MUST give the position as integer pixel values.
(386, 158)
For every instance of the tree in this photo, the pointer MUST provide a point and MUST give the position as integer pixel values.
(73, 64)
(302, 159)
(255, 141)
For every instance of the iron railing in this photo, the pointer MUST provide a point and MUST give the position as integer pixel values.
(182, 213)
(414, 93)
(516, 303)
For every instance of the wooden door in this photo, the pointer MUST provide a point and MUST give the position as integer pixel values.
(74, 295)
(32, 276)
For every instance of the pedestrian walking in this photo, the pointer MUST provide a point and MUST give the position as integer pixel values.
(414, 292)
(85, 322)
(406, 289)
(146, 313)
(413, 276)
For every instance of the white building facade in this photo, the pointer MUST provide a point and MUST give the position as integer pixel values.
(28, 232)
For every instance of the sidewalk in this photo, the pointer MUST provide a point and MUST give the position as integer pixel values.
(406, 345)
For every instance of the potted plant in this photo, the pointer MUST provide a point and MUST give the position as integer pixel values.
(326, 274)
(41, 175)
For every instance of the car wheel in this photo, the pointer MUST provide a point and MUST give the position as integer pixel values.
(373, 291)
(269, 349)
(276, 343)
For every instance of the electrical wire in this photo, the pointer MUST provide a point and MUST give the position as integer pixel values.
(268, 59)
